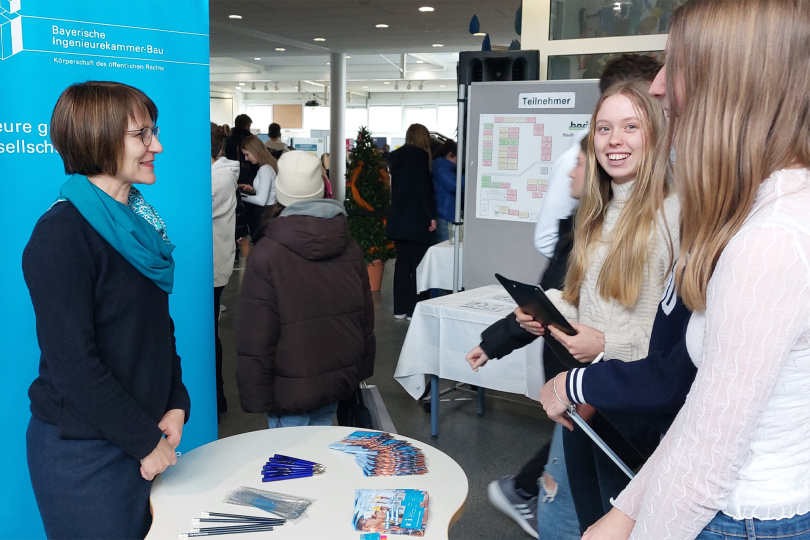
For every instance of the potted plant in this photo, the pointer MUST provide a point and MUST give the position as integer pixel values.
(368, 198)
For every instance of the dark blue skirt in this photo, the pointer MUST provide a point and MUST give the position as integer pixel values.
(86, 488)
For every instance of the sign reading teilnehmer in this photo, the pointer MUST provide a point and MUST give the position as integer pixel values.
(162, 48)
(547, 100)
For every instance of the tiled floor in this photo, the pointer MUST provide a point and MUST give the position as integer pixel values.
(486, 447)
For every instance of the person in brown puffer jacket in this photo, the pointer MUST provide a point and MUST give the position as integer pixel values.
(305, 329)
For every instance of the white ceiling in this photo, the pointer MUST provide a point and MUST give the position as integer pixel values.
(401, 53)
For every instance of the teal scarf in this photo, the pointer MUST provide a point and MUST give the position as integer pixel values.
(136, 231)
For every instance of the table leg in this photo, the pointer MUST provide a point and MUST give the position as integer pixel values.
(481, 401)
(434, 405)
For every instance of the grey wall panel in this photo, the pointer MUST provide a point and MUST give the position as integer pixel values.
(506, 247)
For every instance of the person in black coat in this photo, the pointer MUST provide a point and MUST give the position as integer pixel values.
(412, 217)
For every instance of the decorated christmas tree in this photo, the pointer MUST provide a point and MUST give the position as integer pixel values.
(368, 198)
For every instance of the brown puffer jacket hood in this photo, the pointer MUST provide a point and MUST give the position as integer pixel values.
(314, 230)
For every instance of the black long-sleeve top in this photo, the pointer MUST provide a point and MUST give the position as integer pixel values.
(108, 366)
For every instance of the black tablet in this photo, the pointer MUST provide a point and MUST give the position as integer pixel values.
(534, 301)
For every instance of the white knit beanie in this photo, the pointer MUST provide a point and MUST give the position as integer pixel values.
(299, 178)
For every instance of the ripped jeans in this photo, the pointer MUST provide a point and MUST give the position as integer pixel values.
(556, 516)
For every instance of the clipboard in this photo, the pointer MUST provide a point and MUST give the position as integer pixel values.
(533, 300)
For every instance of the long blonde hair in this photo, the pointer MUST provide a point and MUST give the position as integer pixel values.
(742, 68)
(255, 146)
(622, 274)
(419, 136)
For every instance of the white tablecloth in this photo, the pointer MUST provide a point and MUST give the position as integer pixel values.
(436, 269)
(443, 331)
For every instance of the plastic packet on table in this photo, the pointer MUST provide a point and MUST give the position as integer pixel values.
(289, 507)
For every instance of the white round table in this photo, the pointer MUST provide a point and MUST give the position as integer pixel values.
(203, 477)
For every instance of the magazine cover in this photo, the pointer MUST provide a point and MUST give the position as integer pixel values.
(391, 511)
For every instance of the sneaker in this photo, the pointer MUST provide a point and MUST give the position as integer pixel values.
(503, 496)
(223, 308)
(409, 318)
(400, 315)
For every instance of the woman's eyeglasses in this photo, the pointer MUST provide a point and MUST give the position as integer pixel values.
(147, 133)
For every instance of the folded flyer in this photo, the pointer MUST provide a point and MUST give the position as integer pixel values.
(391, 511)
(380, 454)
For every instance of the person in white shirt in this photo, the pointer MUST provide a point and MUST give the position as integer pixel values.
(262, 194)
(736, 461)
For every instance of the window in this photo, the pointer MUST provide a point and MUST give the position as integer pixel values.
(573, 19)
(447, 122)
(585, 66)
(385, 119)
(355, 118)
(262, 116)
(420, 115)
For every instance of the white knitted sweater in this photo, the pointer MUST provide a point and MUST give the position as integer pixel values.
(627, 330)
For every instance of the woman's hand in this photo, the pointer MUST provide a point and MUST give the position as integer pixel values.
(528, 323)
(172, 426)
(613, 526)
(477, 358)
(247, 188)
(158, 460)
(585, 346)
(432, 225)
(555, 409)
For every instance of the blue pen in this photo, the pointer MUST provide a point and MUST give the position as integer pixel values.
(288, 459)
(270, 465)
(275, 477)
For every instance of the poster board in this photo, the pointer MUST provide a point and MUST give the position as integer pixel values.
(515, 131)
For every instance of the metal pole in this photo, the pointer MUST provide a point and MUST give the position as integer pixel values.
(337, 131)
(460, 154)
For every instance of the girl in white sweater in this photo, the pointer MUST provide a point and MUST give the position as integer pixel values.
(262, 195)
(736, 461)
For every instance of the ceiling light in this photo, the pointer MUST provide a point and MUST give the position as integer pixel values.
(276, 88)
(238, 87)
(382, 26)
(257, 58)
(479, 34)
(280, 49)
(425, 9)
(421, 85)
(241, 84)
(420, 61)
(329, 63)
(319, 39)
(364, 87)
(253, 86)
(266, 88)
(234, 16)
(409, 86)
(437, 45)
(347, 57)
(441, 86)
(387, 82)
(396, 85)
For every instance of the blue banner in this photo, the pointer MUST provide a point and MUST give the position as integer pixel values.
(162, 48)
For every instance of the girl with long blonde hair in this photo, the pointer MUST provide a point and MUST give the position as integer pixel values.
(625, 230)
(262, 194)
(735, 463)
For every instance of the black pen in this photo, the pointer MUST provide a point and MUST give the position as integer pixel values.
(235, 521)
(208, 532)
(241, 516)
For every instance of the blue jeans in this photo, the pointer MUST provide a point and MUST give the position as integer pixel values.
(723, 527)
(318, 417)
(556, 516)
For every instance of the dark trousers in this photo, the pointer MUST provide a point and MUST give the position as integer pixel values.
(592, 475)
(409, 255)
(86, 489)
(254, 214)
(222, 404)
